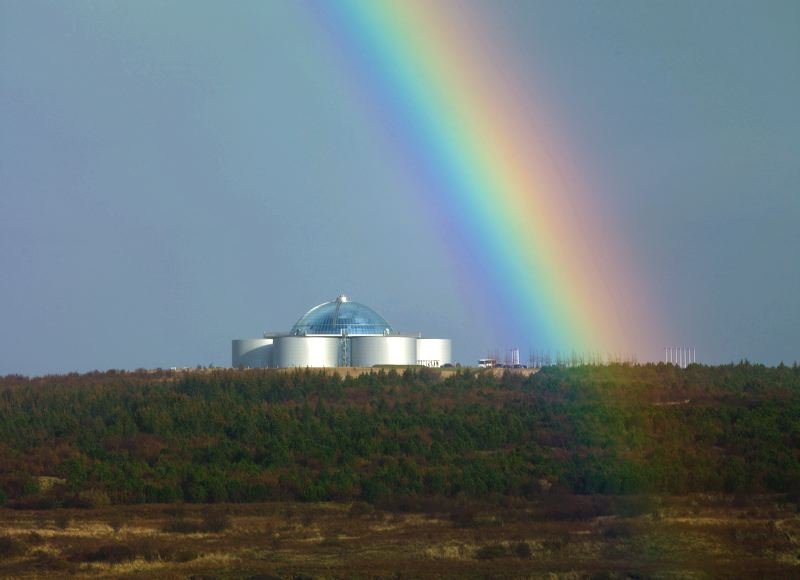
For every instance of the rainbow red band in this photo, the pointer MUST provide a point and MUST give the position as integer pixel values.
(468, 133)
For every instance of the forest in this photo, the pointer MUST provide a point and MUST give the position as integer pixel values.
(89, 440)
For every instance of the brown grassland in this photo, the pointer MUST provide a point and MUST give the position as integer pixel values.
(559, 536)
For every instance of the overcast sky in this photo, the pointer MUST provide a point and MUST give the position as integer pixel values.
(175, 175)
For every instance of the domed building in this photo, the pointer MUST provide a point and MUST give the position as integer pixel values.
(341, 316)
(340, 333)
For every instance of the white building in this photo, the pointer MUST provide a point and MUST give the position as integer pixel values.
(340, 333)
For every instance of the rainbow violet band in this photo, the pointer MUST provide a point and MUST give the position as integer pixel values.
(467, 133)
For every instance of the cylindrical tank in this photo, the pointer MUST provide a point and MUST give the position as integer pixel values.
(306, 351)
(251, 353)
(367, 351)
(434, 352)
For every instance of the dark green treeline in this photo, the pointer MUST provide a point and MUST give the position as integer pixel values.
(242, 436)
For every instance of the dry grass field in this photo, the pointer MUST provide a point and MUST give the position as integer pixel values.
(561, 537)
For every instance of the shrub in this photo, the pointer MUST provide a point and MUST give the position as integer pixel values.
(49, 561)
(215, 521)
(184, 556)
(113, 553)
(463, 516)
(360, 509)
(556, 545)
(35, 538)
(94, 498)
(491, 552)
(617, 530)
(176, 511)
(10, 547)
(523, 550)
(116, 522)
(576, 508)
(34, 503)
(182, 526)
(307, 520)
(150, 549)
(634, 506)
(62, 520)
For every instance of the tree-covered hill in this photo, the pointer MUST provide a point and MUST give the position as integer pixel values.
(242, 436)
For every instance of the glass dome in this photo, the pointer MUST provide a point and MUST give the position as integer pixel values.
(341, 316)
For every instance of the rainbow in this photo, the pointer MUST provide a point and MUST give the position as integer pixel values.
(523, 228)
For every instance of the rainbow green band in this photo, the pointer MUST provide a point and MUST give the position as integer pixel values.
(468, 134)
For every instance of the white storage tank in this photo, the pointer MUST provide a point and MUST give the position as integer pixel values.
(367, 351)
(306, 351)
(251, 353)
(434, 352)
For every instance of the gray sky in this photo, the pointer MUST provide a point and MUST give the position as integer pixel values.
(176, 175)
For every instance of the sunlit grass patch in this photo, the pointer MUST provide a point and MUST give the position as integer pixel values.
(129, 567)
